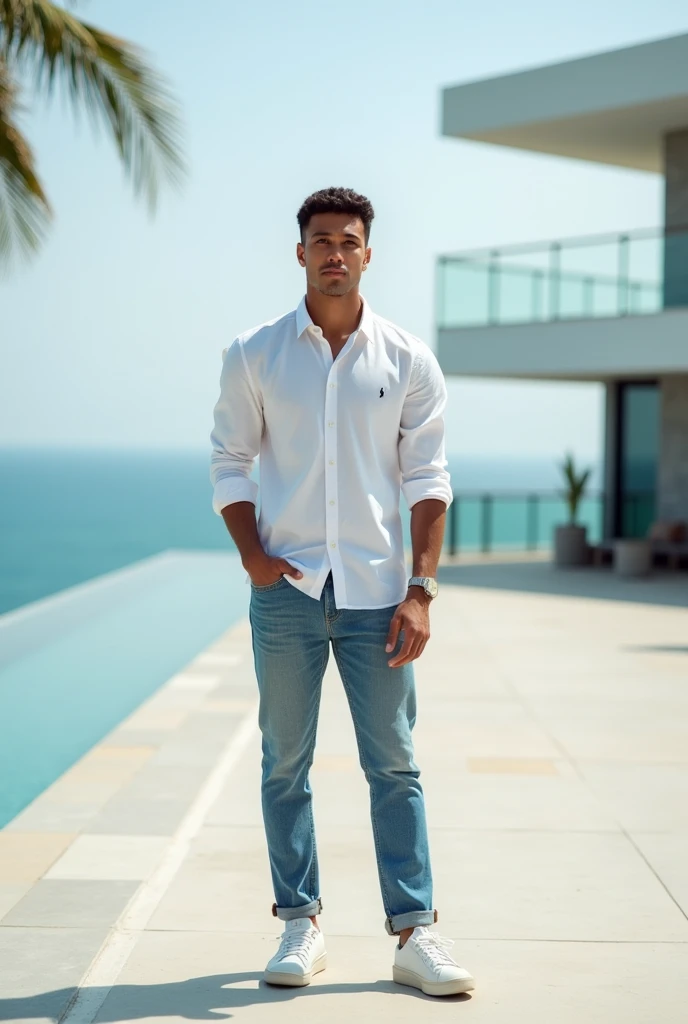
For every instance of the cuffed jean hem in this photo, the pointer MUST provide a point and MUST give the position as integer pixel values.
(290, 913)
(396, 924)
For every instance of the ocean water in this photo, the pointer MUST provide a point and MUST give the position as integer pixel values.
(67, 516)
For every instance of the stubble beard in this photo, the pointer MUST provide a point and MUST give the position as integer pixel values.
(335, 287)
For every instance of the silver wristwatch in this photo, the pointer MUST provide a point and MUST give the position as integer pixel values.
(428, 584)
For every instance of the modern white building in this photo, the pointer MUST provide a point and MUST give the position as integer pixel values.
(608, 308)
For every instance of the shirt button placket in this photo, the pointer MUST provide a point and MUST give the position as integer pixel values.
(332, 532)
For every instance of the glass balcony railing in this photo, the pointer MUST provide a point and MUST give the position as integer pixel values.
(512, 520)
(629, 274)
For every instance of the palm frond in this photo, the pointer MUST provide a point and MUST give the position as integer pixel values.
(109, 77)
(24, 207)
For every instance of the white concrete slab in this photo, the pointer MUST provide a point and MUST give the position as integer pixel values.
(109, 857)
(173, 977)
(549, 740)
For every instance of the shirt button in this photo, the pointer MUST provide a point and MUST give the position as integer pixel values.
(333, 545)
(331, 385)
(331, 503)
(331, 423)
(332, 462)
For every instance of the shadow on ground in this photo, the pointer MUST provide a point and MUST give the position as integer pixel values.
(207, 998)
(662, 587)
(657, 648)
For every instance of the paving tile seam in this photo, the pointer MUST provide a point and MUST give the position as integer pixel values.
(629, 837)
(212, 826)
(511, 686)
(118, 945)
(504, 676)
(656, 874)
(501, 673)
(623, 763)
(69, 928)
(531, 831)
(681, 832)
(329, 933)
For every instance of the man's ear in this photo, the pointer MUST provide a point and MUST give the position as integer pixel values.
(301, 254)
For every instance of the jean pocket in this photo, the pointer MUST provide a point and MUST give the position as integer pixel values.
(269, 586)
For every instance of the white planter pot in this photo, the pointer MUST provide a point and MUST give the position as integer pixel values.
(632, 557)
(570, 545)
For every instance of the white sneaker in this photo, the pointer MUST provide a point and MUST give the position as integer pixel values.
(301, 954)
(424, 963)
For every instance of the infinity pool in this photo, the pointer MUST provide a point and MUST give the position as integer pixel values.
(74, 665)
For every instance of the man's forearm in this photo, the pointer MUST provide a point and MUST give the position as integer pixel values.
(413, 614)
(428, 518)
(240, 520)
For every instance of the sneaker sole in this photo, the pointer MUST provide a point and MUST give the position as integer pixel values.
(432, 988)
(278, 978)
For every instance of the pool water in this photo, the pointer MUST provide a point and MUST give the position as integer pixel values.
(74, 665)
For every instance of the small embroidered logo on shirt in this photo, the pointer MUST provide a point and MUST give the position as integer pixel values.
(382, 391)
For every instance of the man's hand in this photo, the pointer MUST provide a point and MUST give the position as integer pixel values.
(413, 616)
(264, 570)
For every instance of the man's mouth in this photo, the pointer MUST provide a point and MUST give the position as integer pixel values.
(334, 272)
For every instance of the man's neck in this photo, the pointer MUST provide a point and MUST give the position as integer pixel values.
(337, 316)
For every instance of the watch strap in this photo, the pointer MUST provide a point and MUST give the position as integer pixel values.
(422, 581)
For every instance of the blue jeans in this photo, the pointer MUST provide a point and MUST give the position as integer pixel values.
(291, 636)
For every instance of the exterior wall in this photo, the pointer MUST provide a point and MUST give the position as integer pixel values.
(676, 216)
(673, 464)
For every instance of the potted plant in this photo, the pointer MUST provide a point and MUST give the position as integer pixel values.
(570, 539)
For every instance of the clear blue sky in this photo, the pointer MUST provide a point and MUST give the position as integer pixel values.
(113, 335)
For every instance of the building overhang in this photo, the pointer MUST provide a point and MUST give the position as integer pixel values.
(596, 349)
(609, 108)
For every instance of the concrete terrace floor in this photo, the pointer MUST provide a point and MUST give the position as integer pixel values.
(553, 742)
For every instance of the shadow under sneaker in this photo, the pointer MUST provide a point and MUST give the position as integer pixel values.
(423, 962)
(301, 954)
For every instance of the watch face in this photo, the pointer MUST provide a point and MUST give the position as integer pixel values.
(431, 587)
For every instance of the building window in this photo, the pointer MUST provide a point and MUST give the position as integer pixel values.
(638, 450)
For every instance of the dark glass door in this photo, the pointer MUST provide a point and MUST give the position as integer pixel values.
(639, 432)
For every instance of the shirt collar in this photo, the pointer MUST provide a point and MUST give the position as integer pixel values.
(303, 319)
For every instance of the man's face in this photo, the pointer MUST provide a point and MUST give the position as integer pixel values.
(333, 252)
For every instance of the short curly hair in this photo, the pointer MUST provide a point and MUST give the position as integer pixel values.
(336, 200)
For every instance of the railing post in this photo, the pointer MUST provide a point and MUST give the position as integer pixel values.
(533, 522)
(623, 272)
(486, 522)
(554, 279)
(454, 525)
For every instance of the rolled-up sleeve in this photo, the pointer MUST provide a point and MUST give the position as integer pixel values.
(236, 434)
(422, 458)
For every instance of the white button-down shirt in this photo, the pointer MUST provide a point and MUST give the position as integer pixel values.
(337, 439)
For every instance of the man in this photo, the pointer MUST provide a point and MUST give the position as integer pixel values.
(345, 410)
